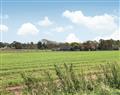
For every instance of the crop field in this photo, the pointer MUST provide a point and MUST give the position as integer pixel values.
(13, 63)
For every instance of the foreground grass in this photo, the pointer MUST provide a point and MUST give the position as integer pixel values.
(69, 82)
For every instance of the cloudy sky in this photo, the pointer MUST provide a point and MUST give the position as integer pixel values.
(59, 20)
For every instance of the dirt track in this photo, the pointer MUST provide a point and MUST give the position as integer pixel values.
(16, 90)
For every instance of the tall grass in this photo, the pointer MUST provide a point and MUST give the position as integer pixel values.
(111, 73)
(70, 83)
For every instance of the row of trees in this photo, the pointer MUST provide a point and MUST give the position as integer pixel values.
(46, 44)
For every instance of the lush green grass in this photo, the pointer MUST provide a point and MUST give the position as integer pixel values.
(35, 62)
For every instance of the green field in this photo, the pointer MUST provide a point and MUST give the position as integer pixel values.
(13, 63)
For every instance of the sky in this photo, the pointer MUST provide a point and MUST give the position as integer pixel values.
(59, 20)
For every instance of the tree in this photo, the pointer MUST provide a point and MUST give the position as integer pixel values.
(2, 45)
(31, 45)
(89, 45)
(107, 44)
(44, 46)
(39, 45)
(75, 46)
(17, 45)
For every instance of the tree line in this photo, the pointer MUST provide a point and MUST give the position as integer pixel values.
(74, 46)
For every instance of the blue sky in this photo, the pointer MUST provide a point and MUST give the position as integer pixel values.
(59, 20)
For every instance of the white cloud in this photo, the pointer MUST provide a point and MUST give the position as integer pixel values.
(27, 28)
(59, 29)
(46, 22)
(3, 28)
(69, 27)
(72, 38)
(105, 23)
(115, 36)
(63, 29)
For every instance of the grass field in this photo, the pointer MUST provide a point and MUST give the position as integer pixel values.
(13, 63)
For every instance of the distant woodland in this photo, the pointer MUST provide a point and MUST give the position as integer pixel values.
(45, 44)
